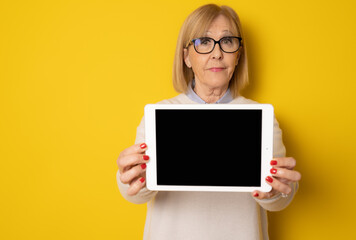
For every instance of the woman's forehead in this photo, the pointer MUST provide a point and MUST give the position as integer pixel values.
(222, 31)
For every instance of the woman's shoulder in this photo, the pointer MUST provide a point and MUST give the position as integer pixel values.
(179, 99)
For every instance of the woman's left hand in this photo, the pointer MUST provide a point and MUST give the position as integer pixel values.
(282, 174)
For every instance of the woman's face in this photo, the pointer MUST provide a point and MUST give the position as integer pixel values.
(215, 69)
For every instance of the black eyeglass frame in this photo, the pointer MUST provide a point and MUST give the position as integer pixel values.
(216, 42)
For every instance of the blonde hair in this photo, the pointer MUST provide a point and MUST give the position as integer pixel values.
(195, 25)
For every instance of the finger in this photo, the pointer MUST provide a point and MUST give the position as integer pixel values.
(290, 175)
(127, 162)
(287, 162)
(136, 186)
(134, 159)
(133, 173)
(136, 148)
(139, 148)
(278, 185)
(263, 195)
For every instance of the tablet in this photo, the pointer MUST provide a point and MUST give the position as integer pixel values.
(209, 147)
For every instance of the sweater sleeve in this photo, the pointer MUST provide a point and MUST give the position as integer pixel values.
(144, 195)
(278, 202)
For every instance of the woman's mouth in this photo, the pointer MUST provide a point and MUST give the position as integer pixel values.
(216, 69)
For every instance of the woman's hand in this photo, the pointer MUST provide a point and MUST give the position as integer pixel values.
(282, 175)
(132, 167)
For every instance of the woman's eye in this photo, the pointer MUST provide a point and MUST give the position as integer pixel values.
(227, 41)
(204, 41)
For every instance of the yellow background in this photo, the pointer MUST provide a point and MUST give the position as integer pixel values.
(75, 76)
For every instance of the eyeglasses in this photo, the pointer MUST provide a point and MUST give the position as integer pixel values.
(205, 45)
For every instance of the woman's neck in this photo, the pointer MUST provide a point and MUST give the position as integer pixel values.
(209, 94)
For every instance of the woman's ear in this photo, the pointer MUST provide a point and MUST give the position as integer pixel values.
(186, 58)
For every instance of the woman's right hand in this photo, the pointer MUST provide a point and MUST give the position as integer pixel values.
(132, 166)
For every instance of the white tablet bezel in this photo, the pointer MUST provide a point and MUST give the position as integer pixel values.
(266, 146)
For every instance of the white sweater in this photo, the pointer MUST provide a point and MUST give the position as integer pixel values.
(206, 215)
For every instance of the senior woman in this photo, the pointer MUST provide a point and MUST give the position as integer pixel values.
(210, 66)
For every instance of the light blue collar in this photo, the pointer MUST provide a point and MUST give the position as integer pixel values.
(194, 97)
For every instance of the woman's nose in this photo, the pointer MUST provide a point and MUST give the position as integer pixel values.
(217, 52)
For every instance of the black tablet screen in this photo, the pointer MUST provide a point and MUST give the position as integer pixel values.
(215, 147)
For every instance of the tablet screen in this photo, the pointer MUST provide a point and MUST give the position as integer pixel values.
(208, 147)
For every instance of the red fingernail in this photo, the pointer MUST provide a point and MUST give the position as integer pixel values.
(269, 179)
(145, 157)
(273, 162)
(142, 180)
(273, 171)
(143, 166)
(256, 195)
(143, 145)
